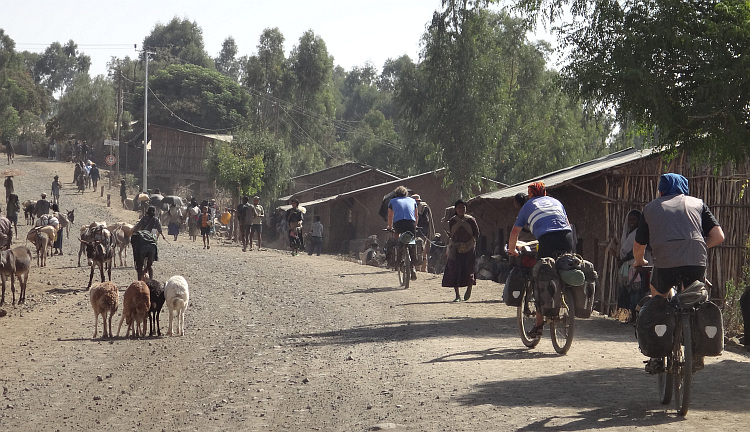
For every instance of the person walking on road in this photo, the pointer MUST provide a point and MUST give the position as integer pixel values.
(95, 175)
(316, 236)
(459, 269)
(13, 209)
(205, 223)
(56, 186)
(123, 192)
(245, 219)
(8, 186)
(257, 222)
(42, 206)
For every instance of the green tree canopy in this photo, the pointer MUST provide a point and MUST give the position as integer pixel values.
(177, 42)
(227, 62)
(195, 99)
(674, 65)
(234, 169)
(58, 66)
(87, 109)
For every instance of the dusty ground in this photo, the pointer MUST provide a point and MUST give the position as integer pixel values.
(281, 343)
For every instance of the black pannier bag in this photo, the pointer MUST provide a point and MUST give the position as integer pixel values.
(584, 296)
(548, 290)
(708, 333)
(655, 328)
(513, 291)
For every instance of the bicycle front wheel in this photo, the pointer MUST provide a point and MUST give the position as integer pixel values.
(406, 267)
(561, 329)
(399, 266)
(665, 383)
(683, 378)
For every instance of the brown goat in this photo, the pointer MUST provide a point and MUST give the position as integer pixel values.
(15, 263)
(104, 298)
(136, 303)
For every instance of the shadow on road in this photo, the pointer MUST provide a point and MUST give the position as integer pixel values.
(495, 354)
(612, 397)
(411, 330)
(371, 290)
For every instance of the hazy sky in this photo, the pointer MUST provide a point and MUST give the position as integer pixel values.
(355, 32)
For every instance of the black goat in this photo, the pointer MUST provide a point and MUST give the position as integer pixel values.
(157, 302)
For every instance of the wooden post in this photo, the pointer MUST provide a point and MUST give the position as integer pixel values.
(109, 203)
(102, 192)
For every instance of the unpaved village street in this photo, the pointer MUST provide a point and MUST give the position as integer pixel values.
(280, 343)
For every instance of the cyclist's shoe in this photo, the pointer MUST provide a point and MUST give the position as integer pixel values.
(698, 363)
(457, 300)
(535, 331)
(654, 365)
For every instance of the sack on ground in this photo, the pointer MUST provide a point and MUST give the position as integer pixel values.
(655, 328)
(708, 333)
(548, 291)
(514, 287)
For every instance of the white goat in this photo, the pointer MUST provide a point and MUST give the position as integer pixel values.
(177, 296)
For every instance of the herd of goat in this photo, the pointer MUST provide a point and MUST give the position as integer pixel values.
(100, 242)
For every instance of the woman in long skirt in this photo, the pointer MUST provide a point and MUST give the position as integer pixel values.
(459, 270)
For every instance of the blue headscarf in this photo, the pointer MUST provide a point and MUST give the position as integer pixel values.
(673, 184)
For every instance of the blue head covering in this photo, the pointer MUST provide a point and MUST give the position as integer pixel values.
(673, 184)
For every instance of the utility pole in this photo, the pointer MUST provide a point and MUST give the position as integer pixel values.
(145, 125)
(119, 112)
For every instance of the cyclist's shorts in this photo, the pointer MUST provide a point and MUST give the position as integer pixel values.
(404, 225)
(665, 278)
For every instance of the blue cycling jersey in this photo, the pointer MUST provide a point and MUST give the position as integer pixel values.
(543, 215)
(403, 208)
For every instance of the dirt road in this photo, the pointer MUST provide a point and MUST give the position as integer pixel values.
(281, 343)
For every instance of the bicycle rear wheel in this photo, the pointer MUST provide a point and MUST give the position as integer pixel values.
(526, 316)
(562, 328)
(683, 378)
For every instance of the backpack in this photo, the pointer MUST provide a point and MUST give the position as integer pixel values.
(548, 288)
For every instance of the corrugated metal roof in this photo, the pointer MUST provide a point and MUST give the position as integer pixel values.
(225, 138)
(564, 175)
(345, 194)
(349, 177)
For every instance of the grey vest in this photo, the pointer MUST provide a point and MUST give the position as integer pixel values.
(675, 231)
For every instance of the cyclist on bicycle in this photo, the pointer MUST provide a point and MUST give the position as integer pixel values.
(548, 222)
(403, 217)
(680, 229)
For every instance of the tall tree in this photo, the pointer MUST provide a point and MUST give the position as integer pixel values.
(195, 99)
(21, 99)
(87, 109)
(679, 66)
(462, 106)
(58, 66)
(227, 62)
(178, 42)
(264, 79)
(312, 133)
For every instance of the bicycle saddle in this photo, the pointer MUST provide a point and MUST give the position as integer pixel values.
(693, 294)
